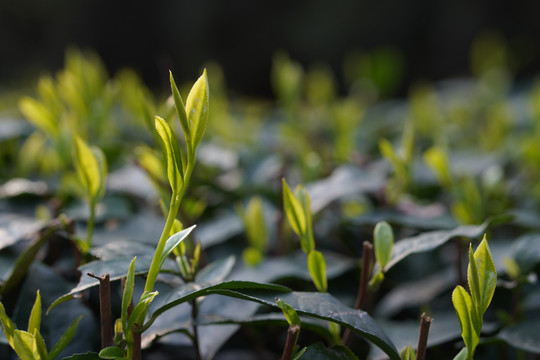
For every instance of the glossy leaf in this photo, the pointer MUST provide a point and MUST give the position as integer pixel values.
(65, 339)
(197, 109)
(524, 335)
(326, 307)
(317, 269)
(290, 314)
(433, 239)
(34, 320)
(466, 313)
(383, 240)
(482, 276)
(318, 351)
(173, 242)
(171, 153)
(180, 109)
(294, 212)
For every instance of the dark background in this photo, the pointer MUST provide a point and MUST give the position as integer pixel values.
(434, 37)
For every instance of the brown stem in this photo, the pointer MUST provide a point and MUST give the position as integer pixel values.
(105, 309)
(425, 323)
(292, 336)
(194, 314)
(137, 352)
(367, 251)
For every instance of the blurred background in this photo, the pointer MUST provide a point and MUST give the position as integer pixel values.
(428, 40)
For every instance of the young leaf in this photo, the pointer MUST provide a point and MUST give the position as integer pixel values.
(293, 211)
(197, 108)
(255, 225)
(7, 325)
(139, 312)
(407, 353)
(180, 109)
(290, 314)
(40, 345)
(317, 270)
(128, 293)
(65, 339)
(307, 241)
(466, 313)
(171, 153)
(383, 239)
(173, 242)
(88, 168)
(486, 276)
(111, 352)
(40, 116)
(462, 355)
(437, 161)
(25, 345)
(34, 320)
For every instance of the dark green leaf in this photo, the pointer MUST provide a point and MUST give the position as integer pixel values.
(111, 352)
(318, 351)
(86, 356)
(524, 335)
(323, 306)
(431, 240)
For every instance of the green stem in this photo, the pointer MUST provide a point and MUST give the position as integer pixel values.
(176, 199)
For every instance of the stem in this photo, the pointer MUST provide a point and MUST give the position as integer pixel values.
(425, 323)
(154, 266)
(105, 309)
(292, 337)
(367, 250)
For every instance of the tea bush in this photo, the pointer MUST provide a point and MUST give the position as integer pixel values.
(169, 227)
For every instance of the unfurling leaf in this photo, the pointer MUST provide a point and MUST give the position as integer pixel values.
(482, 276)
(293, 211)
(289, 312)
(466, 313)
(383, 240)
(91, 168)
(197, 109)
(171, 153)
(34, 320)
(317, 270)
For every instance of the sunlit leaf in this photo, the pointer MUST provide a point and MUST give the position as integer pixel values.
(293, 211)
(128, 292)
(317, 269)
(173, 242)
(290, 314)
(180, 109)
(171, 152)
(34, 321)
(383, 240)
(486, 275)
(465, 311)
(197, 109)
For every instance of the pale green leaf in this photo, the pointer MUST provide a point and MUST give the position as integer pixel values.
(171, 153)
(486, 275)
(139, 312)
(65, 339)
(88, 168)
(462, 355)
(306, 240)
(7, 325)
(383, 239)
(40, 116)
(111, 352)
(197, 109)
(34, 320)
(173, 242)
(255, 225)
(180, 109)
(40, 345)
(466, 313)
(25, 345)
(293, 211)
(289, 312)
(407, 353)
(437, 161)
(317, 270)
